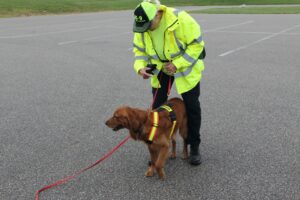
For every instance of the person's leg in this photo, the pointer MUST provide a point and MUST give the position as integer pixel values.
(162, 95)
(192, 104)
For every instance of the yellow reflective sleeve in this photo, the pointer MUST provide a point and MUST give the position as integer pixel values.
(191, 32)
(140, 56)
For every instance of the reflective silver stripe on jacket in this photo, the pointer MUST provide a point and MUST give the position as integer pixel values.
(176, 54)
(143, 39)
(185, 55)
(178, 42)
(146, 58)
(188, 58)
(180, 47)
(186, 72)
(139, 48)
(197, 40)
(155, 57)
(176, 12)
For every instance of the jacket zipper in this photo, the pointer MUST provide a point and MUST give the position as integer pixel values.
(165, 36)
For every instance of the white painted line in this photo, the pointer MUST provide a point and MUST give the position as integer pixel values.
(290, 33)
(5, 29)
(253, 32)
(92, 38)
(230, 26)
(68, 42)
(245, 32)
(49, 33)
(258, 41)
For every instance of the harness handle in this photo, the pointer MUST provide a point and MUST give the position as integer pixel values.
(155, 122)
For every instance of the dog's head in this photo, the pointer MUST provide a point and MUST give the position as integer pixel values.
(126, 117)
(119, 120)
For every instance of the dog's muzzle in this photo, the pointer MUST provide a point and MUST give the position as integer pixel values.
(118, 128)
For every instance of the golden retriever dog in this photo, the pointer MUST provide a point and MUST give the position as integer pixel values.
(140, 123)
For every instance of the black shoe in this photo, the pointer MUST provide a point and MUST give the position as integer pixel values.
(195, 157)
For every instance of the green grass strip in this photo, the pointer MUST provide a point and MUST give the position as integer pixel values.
(38, 7)
(252, 10)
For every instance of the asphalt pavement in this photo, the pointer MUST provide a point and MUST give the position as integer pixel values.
(62, 76)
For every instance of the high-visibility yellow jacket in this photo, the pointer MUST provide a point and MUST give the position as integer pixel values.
(183, 45)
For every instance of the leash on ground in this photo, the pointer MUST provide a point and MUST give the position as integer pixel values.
(64, 180)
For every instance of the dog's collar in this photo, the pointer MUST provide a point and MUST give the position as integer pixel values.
(155, 119)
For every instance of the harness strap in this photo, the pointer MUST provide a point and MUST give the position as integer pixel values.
(172, 116)
(155, 119)
(168, 108)
(172, 130)
(153, 130)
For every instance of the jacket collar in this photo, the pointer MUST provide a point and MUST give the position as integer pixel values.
(171, 18)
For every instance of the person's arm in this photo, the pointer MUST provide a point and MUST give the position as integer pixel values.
(193, 39)
(140, 56)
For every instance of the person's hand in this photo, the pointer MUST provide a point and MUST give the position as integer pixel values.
(144, 74)
(170, 67)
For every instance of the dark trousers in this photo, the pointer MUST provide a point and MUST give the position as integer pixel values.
(192, 104)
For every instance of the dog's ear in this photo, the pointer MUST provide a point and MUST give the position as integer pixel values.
(120, 115)
(133, 119)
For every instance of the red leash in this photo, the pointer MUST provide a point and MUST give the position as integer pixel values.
(169, 86)
(81, 171)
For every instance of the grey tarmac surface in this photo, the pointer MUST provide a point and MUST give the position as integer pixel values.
(62, 76)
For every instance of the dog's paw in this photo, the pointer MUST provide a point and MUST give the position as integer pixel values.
(149, 173)
(162, 175)
(184, 156)
(172, 155)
